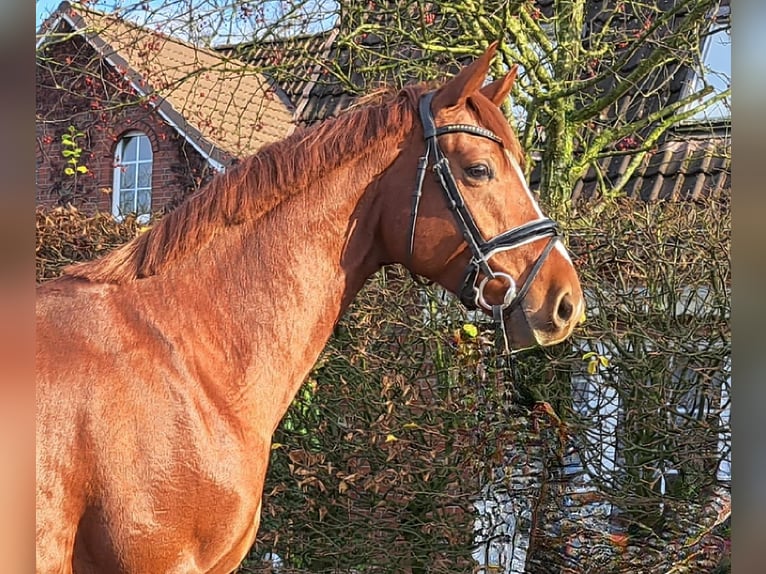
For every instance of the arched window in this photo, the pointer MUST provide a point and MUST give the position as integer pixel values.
(132, 188)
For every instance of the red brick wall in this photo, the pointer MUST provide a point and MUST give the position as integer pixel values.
(76, 88)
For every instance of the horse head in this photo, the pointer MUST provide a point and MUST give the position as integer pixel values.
(473, 225)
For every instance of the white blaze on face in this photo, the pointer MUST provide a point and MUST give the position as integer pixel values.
(559, 245)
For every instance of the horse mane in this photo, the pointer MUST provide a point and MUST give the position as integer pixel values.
(254, 186)
(257, 184)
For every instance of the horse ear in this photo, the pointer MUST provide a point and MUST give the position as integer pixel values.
(466, 82)
(498, 90)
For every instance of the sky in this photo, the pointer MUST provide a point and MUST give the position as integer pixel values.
(170, 15)
(43, 8)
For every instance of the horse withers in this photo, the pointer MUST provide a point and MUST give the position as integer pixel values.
(164, 367)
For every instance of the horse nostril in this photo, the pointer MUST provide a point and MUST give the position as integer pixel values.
(564, 309)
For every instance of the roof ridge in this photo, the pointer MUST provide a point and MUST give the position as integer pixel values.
(278, 39)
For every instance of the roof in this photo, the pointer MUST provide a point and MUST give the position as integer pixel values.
(299, 66)
(224, 107)
(303, 67)
(322, 74)
(684, 167)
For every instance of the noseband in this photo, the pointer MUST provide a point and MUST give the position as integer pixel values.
(471, 292)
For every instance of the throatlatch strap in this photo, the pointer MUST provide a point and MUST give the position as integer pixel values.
(416, 194)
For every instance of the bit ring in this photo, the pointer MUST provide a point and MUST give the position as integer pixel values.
(507, 298)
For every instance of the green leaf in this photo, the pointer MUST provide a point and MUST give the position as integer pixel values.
(82, 169)
(67, 152)
(470, 330)
(68, 171)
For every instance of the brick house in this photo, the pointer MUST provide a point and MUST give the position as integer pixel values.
(141, 119)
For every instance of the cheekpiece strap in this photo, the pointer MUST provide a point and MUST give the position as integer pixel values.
(426, 117)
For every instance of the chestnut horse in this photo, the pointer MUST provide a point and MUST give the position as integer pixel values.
(165, 366)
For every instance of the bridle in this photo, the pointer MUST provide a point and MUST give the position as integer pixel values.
(471, 292)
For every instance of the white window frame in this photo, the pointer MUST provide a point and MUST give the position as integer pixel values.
(119, 169)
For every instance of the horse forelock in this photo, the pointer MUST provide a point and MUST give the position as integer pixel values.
(257, 184)
(489, 117)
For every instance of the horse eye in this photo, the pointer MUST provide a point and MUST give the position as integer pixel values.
(478, 171)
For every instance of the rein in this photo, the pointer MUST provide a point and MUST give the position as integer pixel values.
(471, 292)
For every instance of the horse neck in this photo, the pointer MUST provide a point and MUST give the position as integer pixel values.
(259, 301)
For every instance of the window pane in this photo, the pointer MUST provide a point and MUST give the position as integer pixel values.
(144, 201)
(127, 177)
(144, 175)
(144, 148)
(129, 149)
(127, 201)
(718, 71)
